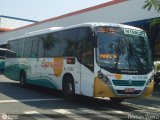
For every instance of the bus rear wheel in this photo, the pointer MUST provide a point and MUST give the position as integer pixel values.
(116, 100)
(22, 79)
(69, 88)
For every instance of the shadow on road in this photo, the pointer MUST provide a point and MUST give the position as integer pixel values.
(15, 91)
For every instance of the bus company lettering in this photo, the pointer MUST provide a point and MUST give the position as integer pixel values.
(56, 64)
(47, 64)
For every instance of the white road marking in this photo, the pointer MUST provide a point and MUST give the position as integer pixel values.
(37, 115)
(141, 106)
(31, 112)
(99, 114)
(118, 112)
(114, 111)
(153, 98)
(28, 100)
(70, 114)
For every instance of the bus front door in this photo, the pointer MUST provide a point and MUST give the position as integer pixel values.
(87, 68)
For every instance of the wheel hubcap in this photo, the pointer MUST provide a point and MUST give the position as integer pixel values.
(69, 88)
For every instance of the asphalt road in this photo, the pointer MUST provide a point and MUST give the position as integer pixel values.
(36, 103)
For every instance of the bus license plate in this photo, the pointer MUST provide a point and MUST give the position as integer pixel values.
(129, 90)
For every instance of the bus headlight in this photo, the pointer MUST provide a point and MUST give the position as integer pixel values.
(102, 76)
(151, 79)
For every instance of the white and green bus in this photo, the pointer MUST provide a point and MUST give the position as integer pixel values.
(90, 59)
(2, 58)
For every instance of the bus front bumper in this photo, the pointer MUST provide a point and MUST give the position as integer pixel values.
(102, 89)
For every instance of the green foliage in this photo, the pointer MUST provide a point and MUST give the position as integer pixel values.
(156, 4)
(157, 66)
(155, 22)
(152, 3)
(48, 41)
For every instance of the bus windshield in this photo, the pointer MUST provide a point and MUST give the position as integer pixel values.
(123, 50)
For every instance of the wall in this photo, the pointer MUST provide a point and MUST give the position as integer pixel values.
(122, 12)
(13, 23)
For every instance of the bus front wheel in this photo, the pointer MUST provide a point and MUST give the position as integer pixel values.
(68, 88)
(22, 79)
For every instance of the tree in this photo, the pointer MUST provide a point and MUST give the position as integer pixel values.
(156, 4)
(152, 3)
(154, 25)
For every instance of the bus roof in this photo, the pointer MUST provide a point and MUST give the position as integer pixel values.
(3, 49)
(90, 24)
(95, 24)
(43, 31)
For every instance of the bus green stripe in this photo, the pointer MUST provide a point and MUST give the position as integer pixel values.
(12, 71)
(43, 82)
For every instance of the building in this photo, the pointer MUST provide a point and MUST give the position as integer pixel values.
(8, 23)
(130, 12)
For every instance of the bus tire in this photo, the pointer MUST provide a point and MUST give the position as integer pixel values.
(68, 88)
(116, 100)
(23, 79)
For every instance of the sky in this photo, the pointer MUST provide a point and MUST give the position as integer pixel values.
(43, 9)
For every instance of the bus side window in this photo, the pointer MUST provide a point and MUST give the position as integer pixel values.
(41, 49)
(27, 47)
(10, 54)
(51, 44)
(69, 40)
(87, 51)
(34, 49)
(15, 47)
(21, 47)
